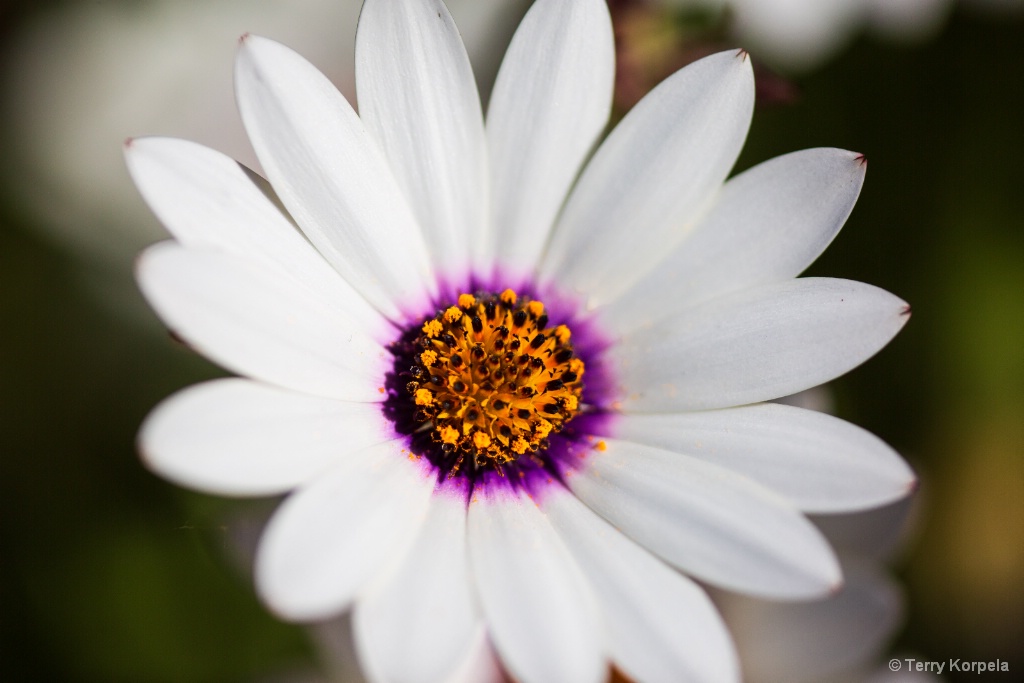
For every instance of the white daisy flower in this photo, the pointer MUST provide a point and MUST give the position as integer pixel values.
(511, 391)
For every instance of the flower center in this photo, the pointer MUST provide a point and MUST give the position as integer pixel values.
(491, 382)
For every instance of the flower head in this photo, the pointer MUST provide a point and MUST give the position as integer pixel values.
(500, 381)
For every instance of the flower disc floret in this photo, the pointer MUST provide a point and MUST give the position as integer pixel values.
(491, 381)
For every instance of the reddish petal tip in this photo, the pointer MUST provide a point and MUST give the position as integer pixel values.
(178, 339)
(912, 487)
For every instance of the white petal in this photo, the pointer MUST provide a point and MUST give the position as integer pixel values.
(332, 177)
(480, 666)
(712, 523)
(207, 200)
(810, 641)
(878, 533)
(767, 225)
(330, 537)
(818, 462)
(418, 98)
(652, 177)
(661, 625)
(260, 325)
(538, 605)
(418, 623)
(756, 345)
(550, 102)
(238, 437)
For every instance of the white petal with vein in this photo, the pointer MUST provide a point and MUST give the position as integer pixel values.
(538, 604)
(419, 622)
(258, 324)
(662, 627)
(208, 200)
(328, 539)
(767, 225)
(755, 345)
(418, 98)
(332, 177)
(239, 437)
(652, 177)
(818, 462)
(714, 524)
(550, 102)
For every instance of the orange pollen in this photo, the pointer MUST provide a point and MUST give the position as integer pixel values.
(492, 383)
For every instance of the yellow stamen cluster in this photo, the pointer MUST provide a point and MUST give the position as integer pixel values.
(491, 382)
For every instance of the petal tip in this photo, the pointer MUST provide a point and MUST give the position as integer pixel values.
(181, 341)
(905, 311)
(285, 613)
(830, 580)
(247, 42)
(861, 159)
(287, 608)
(139, 264)
(742, 54)
(911, 486)
(136, 147)
(146, 454)
(145, 260)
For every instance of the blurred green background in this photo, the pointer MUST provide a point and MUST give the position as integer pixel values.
(111, 574)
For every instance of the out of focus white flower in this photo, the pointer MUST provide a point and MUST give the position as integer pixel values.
(840, 639)
(996, 6)
(800, 34)
(818, 398)
(90, 75)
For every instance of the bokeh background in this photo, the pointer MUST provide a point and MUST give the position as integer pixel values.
(107, 573)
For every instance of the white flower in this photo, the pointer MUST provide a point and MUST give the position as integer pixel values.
(504, 397)
(800, 34)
